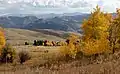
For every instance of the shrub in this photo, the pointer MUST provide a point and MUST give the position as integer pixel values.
(8, 54)
(35, 43)
(72, 48)
(23, 56)
(26, 43)
(40, 42)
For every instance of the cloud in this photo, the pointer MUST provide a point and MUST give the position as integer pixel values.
(56, 6)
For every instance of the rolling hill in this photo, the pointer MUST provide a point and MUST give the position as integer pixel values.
(19, 36)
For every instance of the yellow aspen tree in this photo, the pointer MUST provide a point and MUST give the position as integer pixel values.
(95, 32)
(2, 39)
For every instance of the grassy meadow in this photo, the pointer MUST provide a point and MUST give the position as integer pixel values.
(48, 60)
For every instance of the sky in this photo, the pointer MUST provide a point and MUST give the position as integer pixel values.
(55, 6)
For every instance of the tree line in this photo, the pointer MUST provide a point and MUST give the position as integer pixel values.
(100, 34)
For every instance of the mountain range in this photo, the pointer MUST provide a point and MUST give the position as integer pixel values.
(63, 22)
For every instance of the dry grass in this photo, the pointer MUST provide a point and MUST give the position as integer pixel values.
(48, 60)
(45, 63)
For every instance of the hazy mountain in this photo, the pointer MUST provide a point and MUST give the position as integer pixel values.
(64, 22)
(16, 21)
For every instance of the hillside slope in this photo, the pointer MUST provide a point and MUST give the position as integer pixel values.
(19, 36)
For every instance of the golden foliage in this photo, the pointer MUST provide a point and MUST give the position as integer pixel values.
(96, 25)
(96, 37)
(2, 39)
(96, 47)
(72, 48)
(95, 32)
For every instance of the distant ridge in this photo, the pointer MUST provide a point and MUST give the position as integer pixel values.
(64, 22)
